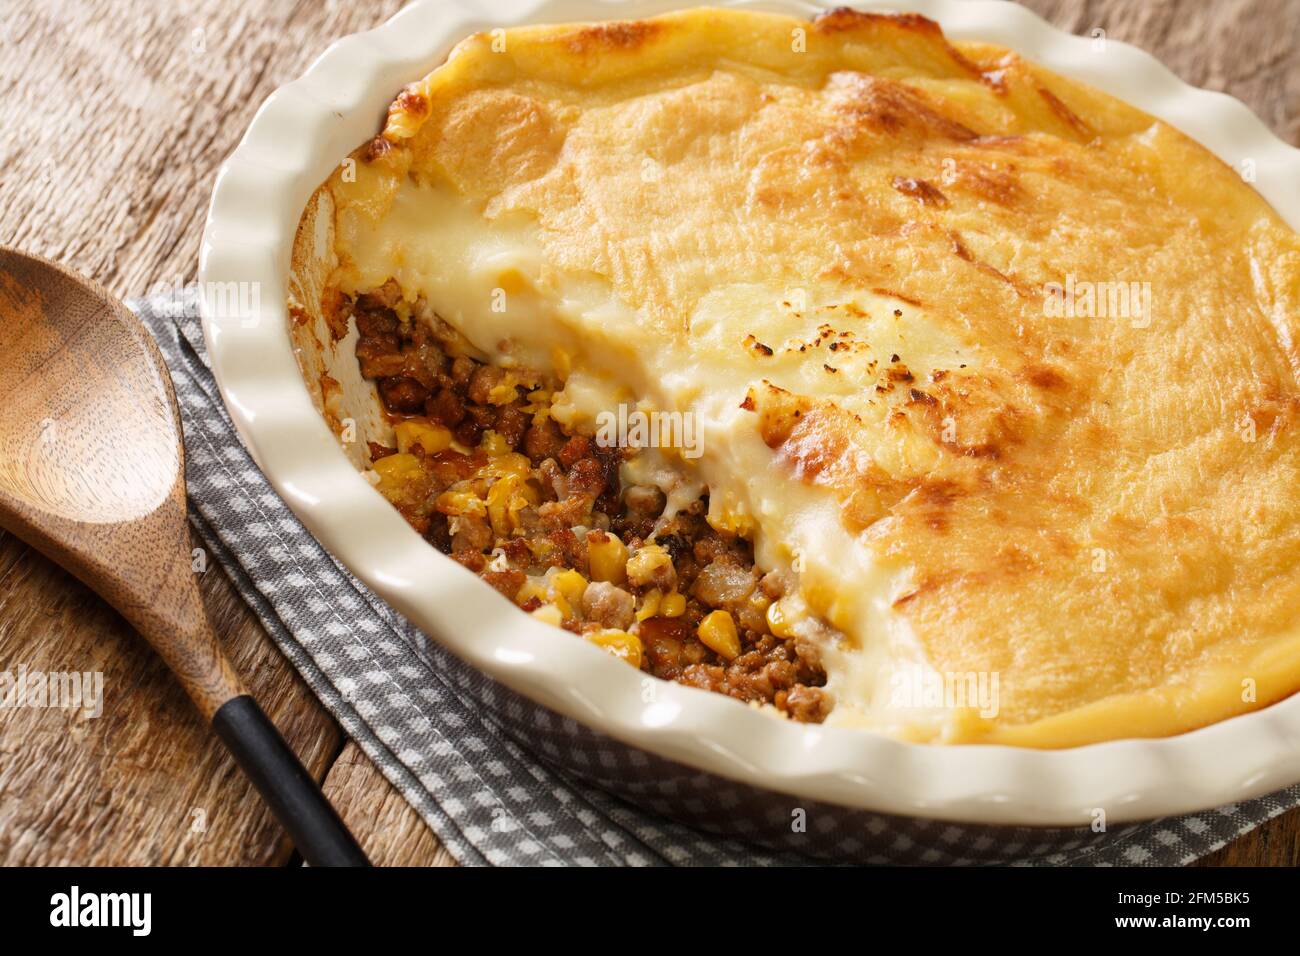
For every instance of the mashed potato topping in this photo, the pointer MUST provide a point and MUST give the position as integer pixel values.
(1000, 370)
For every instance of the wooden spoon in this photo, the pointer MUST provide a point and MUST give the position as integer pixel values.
(92, 473)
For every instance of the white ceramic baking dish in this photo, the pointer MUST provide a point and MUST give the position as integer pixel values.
(308, 126)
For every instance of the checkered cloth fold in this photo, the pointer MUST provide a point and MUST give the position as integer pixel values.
(428, 720)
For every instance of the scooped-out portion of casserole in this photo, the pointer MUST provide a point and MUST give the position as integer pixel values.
(863, 376)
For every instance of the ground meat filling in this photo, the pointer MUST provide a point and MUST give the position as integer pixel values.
(488, 477)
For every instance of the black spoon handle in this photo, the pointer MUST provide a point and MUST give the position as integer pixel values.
(288, 789)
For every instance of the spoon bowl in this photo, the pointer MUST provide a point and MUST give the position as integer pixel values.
(90, 434)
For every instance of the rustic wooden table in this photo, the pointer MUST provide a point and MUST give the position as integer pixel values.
(115, 117)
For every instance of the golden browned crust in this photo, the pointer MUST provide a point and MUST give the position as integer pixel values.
(869, 155)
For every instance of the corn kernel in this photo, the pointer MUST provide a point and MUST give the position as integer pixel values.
(507, 463)
(718, 632)
(651, 565)
(432, 438)
(549, 614)
(672, 605)
(570, 585)
(460, 503)
(733, 522)
(754, 614)
(566, 609)
(397, 467)
(539, 404)
(530, 589)
(493, 443)
(504, 504)
(779, 621)
(502, 394)
(607, 559)
(619, 643)
(649, 604)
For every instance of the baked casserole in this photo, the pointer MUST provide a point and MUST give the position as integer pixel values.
(862, 376)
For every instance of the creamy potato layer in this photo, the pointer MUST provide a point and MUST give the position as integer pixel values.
(998, 369)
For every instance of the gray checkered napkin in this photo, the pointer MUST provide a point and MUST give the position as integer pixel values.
(431, 723)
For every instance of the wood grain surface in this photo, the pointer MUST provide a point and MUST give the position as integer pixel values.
(90, 410)
(115, 116)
